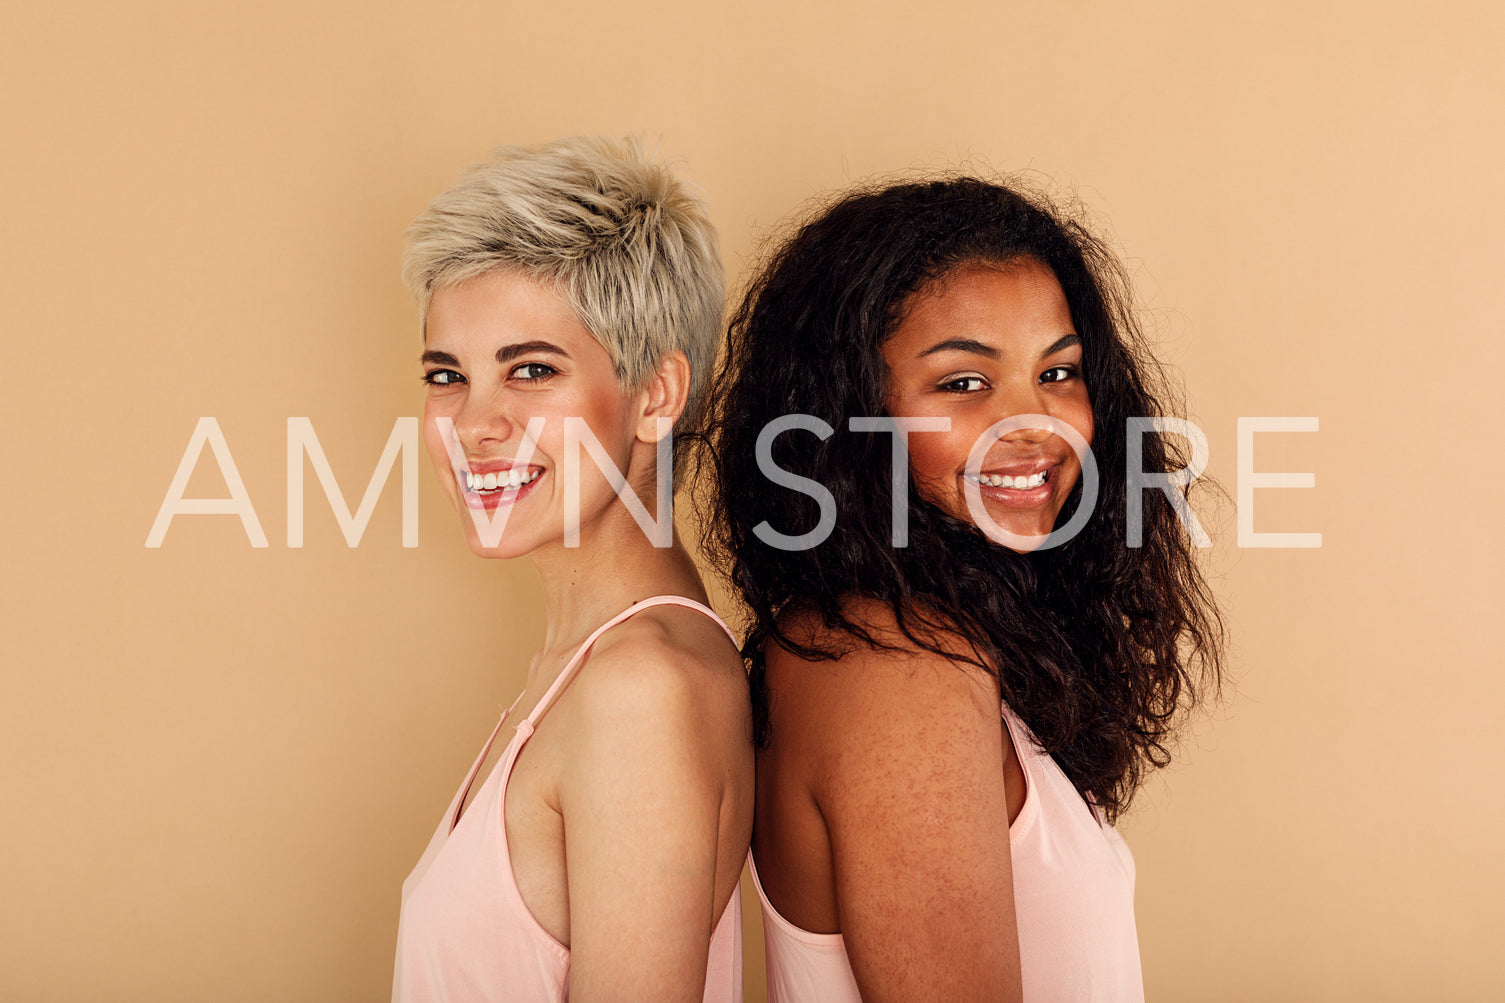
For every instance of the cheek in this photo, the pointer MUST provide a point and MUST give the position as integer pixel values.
(935, 457)
(606, 414)
(605, 418)
(1080, 419)
(1083, 423)
(605, 421)
(433, 441)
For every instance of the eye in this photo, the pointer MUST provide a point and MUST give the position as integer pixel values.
(1055, 374)
(442, 377)
(964, 385)
(532, 372)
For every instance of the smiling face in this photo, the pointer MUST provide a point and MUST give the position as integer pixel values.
(984, 343)
(501, 349)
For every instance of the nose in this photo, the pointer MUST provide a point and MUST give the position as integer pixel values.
(1022, 399)
(1030, 436)
(480, 421)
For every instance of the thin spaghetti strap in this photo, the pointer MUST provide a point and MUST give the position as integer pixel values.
(470, 778)
(565, 676)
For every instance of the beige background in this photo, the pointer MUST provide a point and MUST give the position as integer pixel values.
(218, 763)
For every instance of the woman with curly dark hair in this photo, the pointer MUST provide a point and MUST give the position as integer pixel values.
(921, 438)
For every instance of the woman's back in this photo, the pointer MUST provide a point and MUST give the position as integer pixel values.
(909, 833)
(486, 912)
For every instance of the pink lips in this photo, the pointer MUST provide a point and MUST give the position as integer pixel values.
(500, 467)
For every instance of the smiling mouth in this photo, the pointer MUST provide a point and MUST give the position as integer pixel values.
(498, 480)
(1022, 482)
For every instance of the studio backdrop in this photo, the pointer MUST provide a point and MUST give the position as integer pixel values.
(233, 703)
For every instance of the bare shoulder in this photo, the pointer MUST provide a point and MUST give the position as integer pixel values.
(876, 701)
(667, 648)
(892, 666)
(668, 665)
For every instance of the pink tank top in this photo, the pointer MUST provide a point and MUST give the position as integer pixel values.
(465, 934)
(1073, 898)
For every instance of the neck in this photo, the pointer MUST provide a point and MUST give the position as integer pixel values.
(615, 566)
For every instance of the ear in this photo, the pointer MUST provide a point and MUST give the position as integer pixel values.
(664, 396)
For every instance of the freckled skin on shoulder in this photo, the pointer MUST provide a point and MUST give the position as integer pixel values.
(654, 786)
(883, 809)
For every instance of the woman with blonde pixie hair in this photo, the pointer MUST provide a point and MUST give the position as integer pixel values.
(571, 298)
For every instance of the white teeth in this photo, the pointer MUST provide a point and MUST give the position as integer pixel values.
(1017, 483)
(514, 478)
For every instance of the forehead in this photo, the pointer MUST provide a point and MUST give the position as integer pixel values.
(499, 307)
(1004, 306)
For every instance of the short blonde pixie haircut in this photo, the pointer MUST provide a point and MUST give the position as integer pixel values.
(624, 243)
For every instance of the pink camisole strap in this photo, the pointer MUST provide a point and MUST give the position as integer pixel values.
(465, 934)
(558, 687)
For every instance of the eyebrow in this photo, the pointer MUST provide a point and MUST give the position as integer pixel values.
(960, 345)
(504, 355)
(978, 348)
(1062, 343)
(507, 353)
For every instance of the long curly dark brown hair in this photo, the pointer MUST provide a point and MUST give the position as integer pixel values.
(1098, 646)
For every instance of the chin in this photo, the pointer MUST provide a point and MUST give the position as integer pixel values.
(1033, 524)
(513, 544)
(1009, 521)
(497, 553)
(1021, 548)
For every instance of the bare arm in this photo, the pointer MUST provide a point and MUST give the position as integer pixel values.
(910, 782)
(641, 794)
